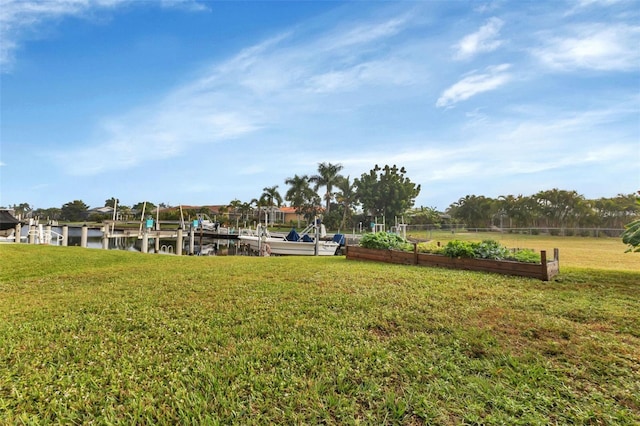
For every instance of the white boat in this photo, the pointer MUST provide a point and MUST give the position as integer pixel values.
(263, 243)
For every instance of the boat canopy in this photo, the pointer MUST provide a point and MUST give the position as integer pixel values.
(7, 220)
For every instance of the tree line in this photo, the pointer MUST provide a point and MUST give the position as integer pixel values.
(386, 191)
(553, 209)
(383, 191)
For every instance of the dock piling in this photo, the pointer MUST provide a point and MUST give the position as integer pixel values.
(105, 237)
(65, 235)
(145, 241)
(84, 236)
(192, 242)
(179, 242)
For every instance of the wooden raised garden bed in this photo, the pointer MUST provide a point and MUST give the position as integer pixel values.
(545, 270)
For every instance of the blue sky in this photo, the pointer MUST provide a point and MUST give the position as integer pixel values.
(201, 102)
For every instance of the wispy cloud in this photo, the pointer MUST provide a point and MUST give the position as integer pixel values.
(188, 5)
(595, 47)
(265, 86)
(483, 40)
(365, 33)
(20, 19)
(474, 84)
(582, 5)
(391, 71)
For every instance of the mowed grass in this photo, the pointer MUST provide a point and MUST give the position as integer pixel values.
(123, 338)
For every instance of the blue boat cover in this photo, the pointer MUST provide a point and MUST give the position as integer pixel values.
(293, 235)
(338, 238)
(307, 239)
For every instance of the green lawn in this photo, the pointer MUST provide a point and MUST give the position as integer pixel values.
(117, 337)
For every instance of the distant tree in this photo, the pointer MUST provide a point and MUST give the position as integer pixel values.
(561, 208)
(74, 211)
(473, 210)
(269, 199)
(347, 198)
(22, 209)
(124, 213)
(147, 209)
(52, 213)
(111, 202)
(616, 212)
(302, 197)
(298, 192)
(386, 191)
(425, 216)
(328, 176)
(233, 208)
(246, 210)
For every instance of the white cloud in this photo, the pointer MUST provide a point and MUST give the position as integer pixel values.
(596, 47)
(474, 84)
(483, 40)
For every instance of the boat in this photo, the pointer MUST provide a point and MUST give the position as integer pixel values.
(260, 241)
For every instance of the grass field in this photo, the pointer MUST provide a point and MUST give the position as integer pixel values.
(123, 338)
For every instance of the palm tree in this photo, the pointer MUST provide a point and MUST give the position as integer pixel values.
(328, 175)
(269, 195)
(346, 196)
(299, 193)
(234, 206)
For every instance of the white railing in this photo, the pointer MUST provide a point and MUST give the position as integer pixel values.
(45, 236)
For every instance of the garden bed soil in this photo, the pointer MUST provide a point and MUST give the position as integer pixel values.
(545, 270)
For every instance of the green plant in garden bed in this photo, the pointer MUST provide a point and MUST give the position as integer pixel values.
(385, 241)
(524, 255)
(486, 249)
